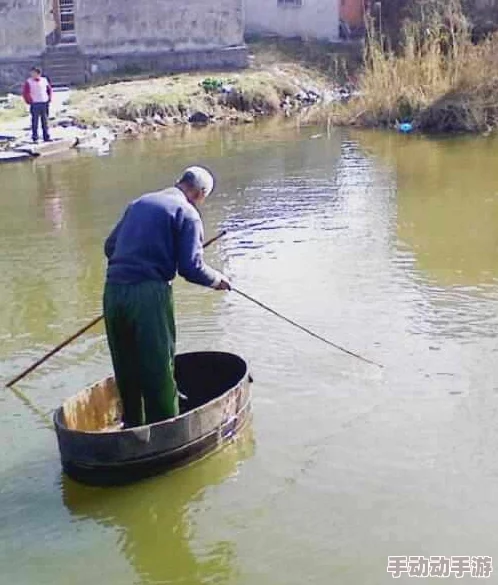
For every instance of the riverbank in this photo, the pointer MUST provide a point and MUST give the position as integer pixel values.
(438, 81)
(285, 78)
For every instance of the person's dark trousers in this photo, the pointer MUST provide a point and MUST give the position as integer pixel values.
(39, 112)
(140, 326)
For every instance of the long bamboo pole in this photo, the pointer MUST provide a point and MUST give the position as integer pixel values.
(79, 333)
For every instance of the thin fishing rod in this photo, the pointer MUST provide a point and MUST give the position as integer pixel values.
(305, 329)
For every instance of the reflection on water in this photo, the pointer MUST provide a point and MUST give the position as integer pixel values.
(49, 197)
(447, 218)
(383, 243)
(447, 204)
(156, 519)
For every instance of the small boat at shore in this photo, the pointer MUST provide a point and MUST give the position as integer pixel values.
(216, 405)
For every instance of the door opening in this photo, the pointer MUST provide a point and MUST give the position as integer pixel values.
(64, 18)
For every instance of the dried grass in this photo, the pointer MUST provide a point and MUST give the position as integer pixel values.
(16, 109)
(439, 80)
(254, 92)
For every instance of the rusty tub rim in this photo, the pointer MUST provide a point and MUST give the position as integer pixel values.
(58, 417)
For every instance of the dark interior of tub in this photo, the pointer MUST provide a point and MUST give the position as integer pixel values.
(204, 376)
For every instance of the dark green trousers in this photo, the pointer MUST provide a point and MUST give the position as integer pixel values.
(140, 326)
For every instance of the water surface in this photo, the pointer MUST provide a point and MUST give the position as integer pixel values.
(385, 244)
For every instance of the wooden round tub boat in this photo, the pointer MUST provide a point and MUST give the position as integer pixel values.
(96, 451)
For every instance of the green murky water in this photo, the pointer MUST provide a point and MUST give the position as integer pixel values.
(385, 244)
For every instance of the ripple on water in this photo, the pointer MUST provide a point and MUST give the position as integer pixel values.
(343, 234)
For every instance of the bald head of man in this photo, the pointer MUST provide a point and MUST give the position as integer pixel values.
(197, 183)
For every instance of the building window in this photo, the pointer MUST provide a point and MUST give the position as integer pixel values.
(67, 15)
(295, 3)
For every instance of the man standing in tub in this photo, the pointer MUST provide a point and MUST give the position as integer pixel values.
(159, 235)
(37, 93)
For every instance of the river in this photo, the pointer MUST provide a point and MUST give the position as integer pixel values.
(385, 244)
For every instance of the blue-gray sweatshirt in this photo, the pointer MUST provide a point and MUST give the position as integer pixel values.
(159, 235)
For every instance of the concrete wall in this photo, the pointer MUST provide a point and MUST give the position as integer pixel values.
(13, 73)
(100, 67)
(120, 35)
(22, 31)
(51, 29)
(129, 26)
(310, 19)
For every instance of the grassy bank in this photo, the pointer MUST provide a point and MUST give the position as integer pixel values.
(439, 79)
(284, 78)
(173, 100)
(279, 74)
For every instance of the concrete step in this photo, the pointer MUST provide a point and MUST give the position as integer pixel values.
(61, 55)
(64, 44)
(60, 78)
(69, 66)
(63, 50)
(62, 69)
(62, 58)
(69, 82)
(67, 79)
(64, 65)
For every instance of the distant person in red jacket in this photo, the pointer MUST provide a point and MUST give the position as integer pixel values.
(37, 93)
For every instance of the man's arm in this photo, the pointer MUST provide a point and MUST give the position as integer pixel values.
(26, 93)
(49, 90)
(110, 243)
(191, 263)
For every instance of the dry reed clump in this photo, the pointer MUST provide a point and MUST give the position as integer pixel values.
(439, 80)
(148, 106)
(260, 93)
(471, 104)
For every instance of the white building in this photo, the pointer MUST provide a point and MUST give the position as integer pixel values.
(307, 19)
(75, 40)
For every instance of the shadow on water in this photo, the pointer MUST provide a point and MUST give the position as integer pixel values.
(156, 519)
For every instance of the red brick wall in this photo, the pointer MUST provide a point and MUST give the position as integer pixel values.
(352, 12)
